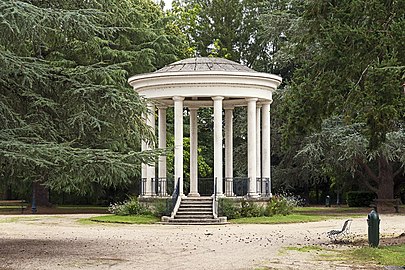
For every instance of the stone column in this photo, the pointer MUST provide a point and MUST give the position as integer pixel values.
(266, 153)
(258, 151)
(151, 179)
(252, 146)
(229, 151)
(193, 153)
(218, 144)
(144, 172)
(148, 172)
(178, 143)
(162, 173)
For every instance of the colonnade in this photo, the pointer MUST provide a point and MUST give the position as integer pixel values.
(258, 158)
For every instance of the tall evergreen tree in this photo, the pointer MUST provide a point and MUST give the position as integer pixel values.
(351, 67)
(68, 118)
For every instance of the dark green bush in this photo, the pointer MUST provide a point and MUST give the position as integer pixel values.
(129, 207)
(360, 198)
(162, 207)
(280, 205)
(228, 208)
(251, 209)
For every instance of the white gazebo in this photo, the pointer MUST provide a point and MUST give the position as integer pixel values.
(208, 82)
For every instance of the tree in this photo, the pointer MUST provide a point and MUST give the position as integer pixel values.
(68, 118)
(351, 65)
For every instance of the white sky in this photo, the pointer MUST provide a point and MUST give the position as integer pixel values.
(168, 4)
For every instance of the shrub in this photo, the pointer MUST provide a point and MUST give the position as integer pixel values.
(282, 205)
(128, 207)
(162, 207)
(360, 198)
(251, 209)
(228, 208)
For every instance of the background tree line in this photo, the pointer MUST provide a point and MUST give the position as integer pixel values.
(70, 121)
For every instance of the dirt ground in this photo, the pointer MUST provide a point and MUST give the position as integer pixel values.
(60, 242)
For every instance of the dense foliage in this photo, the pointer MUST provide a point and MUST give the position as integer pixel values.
(347, 90)
(68, 118)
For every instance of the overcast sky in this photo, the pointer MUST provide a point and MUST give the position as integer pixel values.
(168, 4)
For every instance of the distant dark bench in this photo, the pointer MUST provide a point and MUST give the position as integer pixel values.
(18, 204)
(333, 234)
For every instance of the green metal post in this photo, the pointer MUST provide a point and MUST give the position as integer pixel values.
(373, 228)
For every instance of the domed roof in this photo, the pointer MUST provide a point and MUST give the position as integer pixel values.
(204, 64)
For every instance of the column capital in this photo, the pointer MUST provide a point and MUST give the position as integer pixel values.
(193, 108)
(178, 98)
(162, 106)
(229, 107)
(266, 102)
(251, 99)
(217, 98)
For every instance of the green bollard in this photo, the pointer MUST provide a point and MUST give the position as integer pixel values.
(373, 228)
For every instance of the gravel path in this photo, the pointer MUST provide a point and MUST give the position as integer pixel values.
(60, 242)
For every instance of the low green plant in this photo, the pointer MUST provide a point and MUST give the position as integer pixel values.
(228, 208)
(251, 209)
(280, 205)
(162, 207)
(129, 207)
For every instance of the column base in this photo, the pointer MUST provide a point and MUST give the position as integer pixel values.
(219, 195)
(193, 195)
(253, 195)
(147, 196)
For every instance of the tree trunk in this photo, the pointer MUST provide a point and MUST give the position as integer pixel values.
(41, 194)
(385, 191)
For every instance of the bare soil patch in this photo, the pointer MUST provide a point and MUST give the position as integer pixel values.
(60, 242)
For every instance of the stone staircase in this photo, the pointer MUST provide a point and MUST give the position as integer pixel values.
(195, 211)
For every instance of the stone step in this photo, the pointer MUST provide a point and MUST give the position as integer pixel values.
(199, 216)
(182, 213)
(194, 220)
(202, 207)
(194, 209)
(198, 198)
(196, 202)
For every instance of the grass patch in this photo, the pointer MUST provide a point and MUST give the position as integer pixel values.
(305, 248)
(17, 219)
(142, 219)
(84, 207)
(389, 255)
(332, 210)
(277, 219)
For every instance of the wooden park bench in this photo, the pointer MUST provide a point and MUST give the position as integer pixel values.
(13, 204)
(334, 234)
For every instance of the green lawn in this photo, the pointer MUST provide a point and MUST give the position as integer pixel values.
(389, 255)
(84, 207)
(300, 214)
(293, 218)
(145, 219)
(306, 214)
(332, 210)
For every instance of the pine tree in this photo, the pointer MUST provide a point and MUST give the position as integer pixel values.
(351, 66)
(68, 118)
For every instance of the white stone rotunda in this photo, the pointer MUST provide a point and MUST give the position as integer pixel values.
(208, 82)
